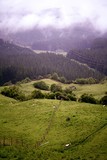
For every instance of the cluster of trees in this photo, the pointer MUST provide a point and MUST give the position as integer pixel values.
(17, 63)
(56, 92)
(88, 98)
(13, 92)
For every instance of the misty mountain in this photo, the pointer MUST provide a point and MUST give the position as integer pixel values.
(78, 36)
(17, 63)
(95, 57)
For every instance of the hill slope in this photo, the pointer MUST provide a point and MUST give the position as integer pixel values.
(95, 57)
(23, 125)
(17, 62)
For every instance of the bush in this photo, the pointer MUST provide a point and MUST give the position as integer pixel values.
(104, 100)
(13, 92)
(56, 88)
(60, 95)
(41, 85)
(37, 94)
(62, 79)
(50, 95)
(72, 97)
(88, 99)
(68, 90)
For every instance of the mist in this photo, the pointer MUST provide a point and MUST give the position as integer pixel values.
(22, 15)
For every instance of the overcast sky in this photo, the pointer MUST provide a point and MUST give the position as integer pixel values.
(26, 14)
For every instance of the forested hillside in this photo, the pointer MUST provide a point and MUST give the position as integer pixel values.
(17, 63)
(95, 57)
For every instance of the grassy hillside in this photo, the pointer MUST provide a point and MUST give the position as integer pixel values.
(98, 90)
(42, 129)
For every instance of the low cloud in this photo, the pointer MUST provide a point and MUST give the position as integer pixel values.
(16, 15)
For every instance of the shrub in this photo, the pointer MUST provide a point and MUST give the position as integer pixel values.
(41, 85)
(62, 79)
(56, 88)
(37, 94)
(60, 95)
(72, 97)
(13, 92)
(68, 90)
(50, 95)
(104, 100)
(88, 98)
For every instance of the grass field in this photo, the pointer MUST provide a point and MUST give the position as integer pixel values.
(48, 126)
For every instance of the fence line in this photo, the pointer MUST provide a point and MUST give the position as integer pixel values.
(4, 141)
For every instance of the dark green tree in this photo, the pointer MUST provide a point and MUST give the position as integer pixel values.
(41, 85)
(37, 94)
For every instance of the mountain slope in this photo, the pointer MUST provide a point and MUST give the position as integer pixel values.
(17, 63)
(95, 57)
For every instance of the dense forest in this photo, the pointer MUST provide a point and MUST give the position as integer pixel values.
(95, 57)
(17, 63)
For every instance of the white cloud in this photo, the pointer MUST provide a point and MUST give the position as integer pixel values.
(26, 14)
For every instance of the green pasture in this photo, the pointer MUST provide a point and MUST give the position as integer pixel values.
(53, 129)
(82, 126)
